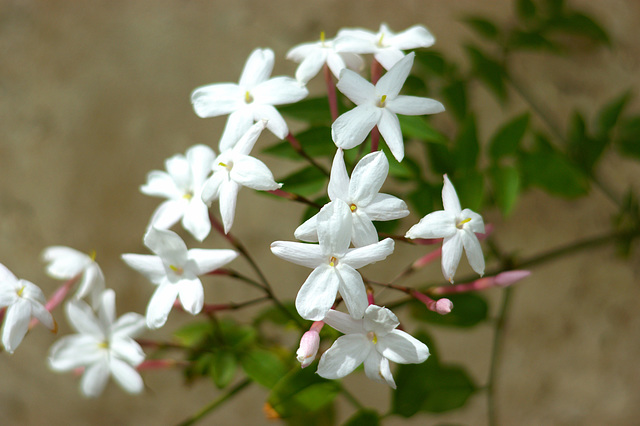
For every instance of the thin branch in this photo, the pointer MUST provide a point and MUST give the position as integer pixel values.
(216, 403)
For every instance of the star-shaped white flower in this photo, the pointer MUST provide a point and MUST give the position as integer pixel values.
(64, 263)
(361, 195)
(377, 106)
(181, 185)
(175, 270)
(252, 99)
(458, 228)
(103, 346)
(373, 340)
(334, 264)
(312, 56)
(385, 45)
(233, 169)
(23, 301)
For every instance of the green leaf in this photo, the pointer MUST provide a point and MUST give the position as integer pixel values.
(506, 187)
(414, 86)
(579, 24)
(433, 61)
(364, 418)
(554, 7)
(405, 170)
(263, 367)
(312, 110)
(483, 27)
(455, 98)
(531, 40)
(306, 181)
(490, 71)
(551, 171)
(440, 159)
(628, 140)
(507, 139)
(222, 368)
(469, 309)
(470, 188)
(302, 391)
(315, 141)
(609, 115)
(193, 334)
(423, 198)
(430, 387)
(274, 315)
(417, 127)
(526, 9)
(466, 145)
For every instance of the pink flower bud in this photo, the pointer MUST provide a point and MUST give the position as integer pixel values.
(443, 306)
(505, 279)
(308, 349)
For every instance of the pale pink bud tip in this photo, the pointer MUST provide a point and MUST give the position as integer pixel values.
(308, 349)
(444, 306)
(505, 279)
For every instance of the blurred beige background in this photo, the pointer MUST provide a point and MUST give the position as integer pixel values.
(95, 94)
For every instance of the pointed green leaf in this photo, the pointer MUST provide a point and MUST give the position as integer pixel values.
(422, 199)
(507, 139)
(441, 159)
(466, 145)
(609, 115)
(432, 60)
(302, 391)
(364, 418)
(628, 140)
(483, 27)
(307, 181)
(531, 40)
(490, 71)
(554, 173)
(506, 187)
(263, 367)
(470, 189)
(416, 127)
(312, 110)
(316, 142)
(455, 98)
(222, 368)
(579, 24)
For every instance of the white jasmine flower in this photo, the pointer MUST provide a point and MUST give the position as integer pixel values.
(377, 106)
(103, 346)
(312, 56)
(361, 195)
(334, 264)
(385, 45)
(181, 185)
(458, 228)
(252, 99)
(233, 169)
(175, 270)
(23, 301)
(373, 340)
(64, 263)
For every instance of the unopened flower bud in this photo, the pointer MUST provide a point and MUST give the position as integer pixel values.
(507, 278)
(308, 349)
(443, 306)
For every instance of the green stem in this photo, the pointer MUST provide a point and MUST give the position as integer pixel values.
(498, 338)
(216, 403)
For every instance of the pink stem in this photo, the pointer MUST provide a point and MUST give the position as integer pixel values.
(331, 93)
(440, 306)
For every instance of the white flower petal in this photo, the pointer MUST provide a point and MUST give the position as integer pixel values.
(308, 231)
(208, 260)
(386, 207)
(361, 256)
(130, 325)
(94, 379)
(336, 62)
(363, 232)
(191, 295)
(200, 159)
(6, 276)
(257, 68)
(334, 228)
(166, 244)
(451, 253)
(388, 57)
(344, 356)
(309, 255)
(74, 351)
(391, 83)
(476, 224)
(126, 376)
(352, 290)
(127, 349)
(160, 184)
(376, 367)
(180, 172)
(318, 293)
(148, 265)
(339, 180)
(92, 282)
(367, 177)
(450, 199)
(356, 88)
(275, 122)
(438, 224)
(63, 263)
(473, 250)
(211, 189)
(413, 105)
(300, 52)
(40, 312)
(83, 319)
(237, 125)
(160, 305)
(245, 144)
(380, 320)
(228, 198)
(279, 91)
(402, 348)
(352, 127)
(217, 99)
(389, 127)
(168, 213)
(253, 173)
(16, 324)
(196, 219)
(344, 323)
(412, 38)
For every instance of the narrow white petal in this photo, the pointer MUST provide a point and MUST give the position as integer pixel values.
(166, 244)
(200, 159)
(391, 83)
(476, 224)
(344, 323)
(388, 57)
(64, 263)
(451, 253)
(211, 189)
(127, 350)
(180, 172)
(191, 295)
(402, 348)
(353, 61)
(363, 232)
(40, 312)
(16, 324)
(367, 177)
(386, 207)
(376, 367)
(31, 292)
(336, 62)
(474, 251)
(253, 173)
(128, 325)
(438, 224)
(450, 199)
(361, 256)
(126, 376)
(95, 379)
(83, 319)
(413, 105)
(208, 260)
(308, 231)
(257, 68)
(311, 66)
(344, 356)
(245, 144)
(318, 293)
(148, 265)
(196, 219)
(237, 125)
(74, 351)
(352, 127)
(300, 52)
(412, 38)
(275, 122)
(6, 276)
(279, 91)
(389, 127)
(92, 282)
(339, 180)
(160, 184)
(168, 213)
(352, 290)
(228, 198)
(216, 99)
(309, 255)
(356, 88)
(160, 305)
(380, 320)
(334, 228)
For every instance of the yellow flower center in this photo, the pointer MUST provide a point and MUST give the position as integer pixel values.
(226, 166)
(188, 196)
(380, 40)
(92, 255)
(333, 261)
(247, 97)
(103, 345)
(322, 38)
(353, 208)
(19, 292)
(372, 336)
(178, 270)
(461, 223)
(382, 101)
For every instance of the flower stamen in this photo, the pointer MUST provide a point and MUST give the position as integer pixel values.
(380, 40)
(460, 223)
(382, 101)
(247, 97)
(353, 207)
(333, 261)
(322, 38)
(188, 196)
(92, 255)
(372, 336)
(19, 292)
(178, 270)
